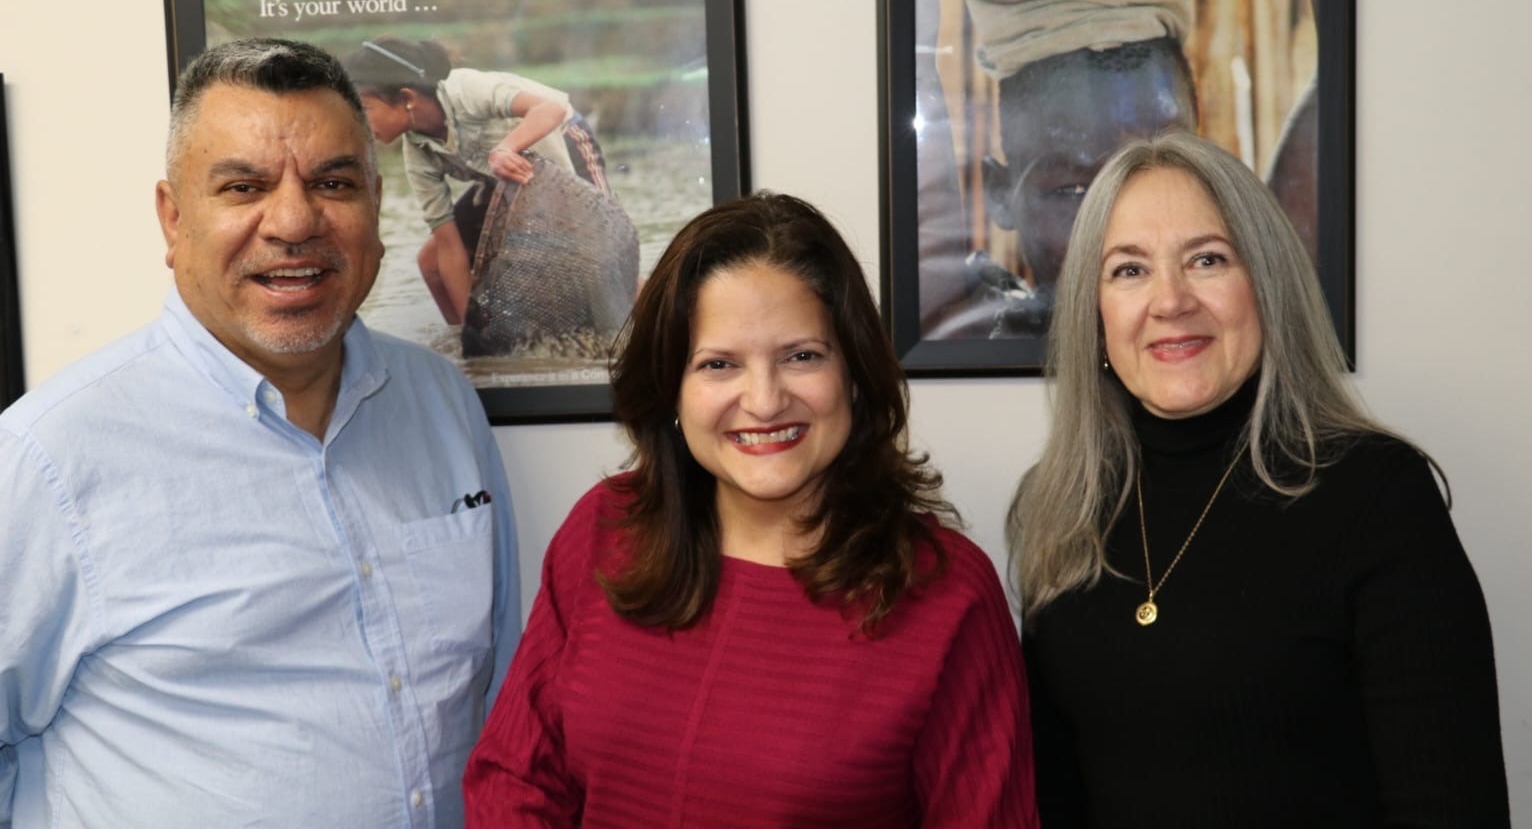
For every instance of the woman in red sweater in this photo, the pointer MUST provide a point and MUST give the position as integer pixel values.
(765, 621)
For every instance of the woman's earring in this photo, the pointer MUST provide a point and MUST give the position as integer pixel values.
(1105, 366)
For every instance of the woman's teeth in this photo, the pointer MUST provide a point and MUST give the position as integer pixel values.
(758, 438)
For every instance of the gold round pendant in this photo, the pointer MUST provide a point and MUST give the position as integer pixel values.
(1147, 613)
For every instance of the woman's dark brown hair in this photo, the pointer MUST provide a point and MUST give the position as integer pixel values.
(873, 492)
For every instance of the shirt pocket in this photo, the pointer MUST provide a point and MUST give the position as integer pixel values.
(451, 560)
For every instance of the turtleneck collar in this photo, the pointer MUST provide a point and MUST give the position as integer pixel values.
(1199, 433)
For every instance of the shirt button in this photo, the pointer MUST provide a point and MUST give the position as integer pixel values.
(416, 798)
(366, 570)
(394, 684)
(251, 410)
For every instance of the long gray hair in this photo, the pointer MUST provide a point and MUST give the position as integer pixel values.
(1304, 407)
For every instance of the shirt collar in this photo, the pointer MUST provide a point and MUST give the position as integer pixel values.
(363, 369)
(428, 142)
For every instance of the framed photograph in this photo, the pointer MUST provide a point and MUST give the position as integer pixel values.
(651, 132)
(11, 380)
(996, 115)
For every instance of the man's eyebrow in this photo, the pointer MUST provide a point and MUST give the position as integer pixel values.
(234, 168)
(239, 168)
(343, 163)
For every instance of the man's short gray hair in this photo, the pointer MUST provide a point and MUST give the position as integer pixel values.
(266, 64)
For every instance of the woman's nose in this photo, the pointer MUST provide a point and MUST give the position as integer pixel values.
(765, 396)
(1172, 294)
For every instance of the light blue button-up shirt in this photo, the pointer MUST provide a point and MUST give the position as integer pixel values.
(209, 618)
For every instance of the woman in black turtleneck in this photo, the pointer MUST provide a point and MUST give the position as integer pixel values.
(1246, 605)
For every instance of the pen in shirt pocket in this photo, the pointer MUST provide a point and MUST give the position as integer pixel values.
(470, 501)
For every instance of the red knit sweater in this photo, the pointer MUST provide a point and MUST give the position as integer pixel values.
(767, 712)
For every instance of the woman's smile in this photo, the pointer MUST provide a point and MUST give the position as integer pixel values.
(761, 441)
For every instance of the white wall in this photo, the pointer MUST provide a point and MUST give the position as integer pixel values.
(1444, 200)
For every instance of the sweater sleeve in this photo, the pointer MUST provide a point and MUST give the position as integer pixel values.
(973, 759)
(1060, 787)
(516, 775)
(1425, 662)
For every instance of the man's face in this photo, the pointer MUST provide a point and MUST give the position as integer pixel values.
(1061, 119)
(270, 219)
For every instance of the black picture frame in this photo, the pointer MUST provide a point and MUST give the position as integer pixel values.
(12, 381)
(187, 35)
(1335, 29)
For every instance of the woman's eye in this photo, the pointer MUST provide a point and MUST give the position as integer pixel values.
(713, 365)
(804, 356)
(1208, 260)
(1127, 270)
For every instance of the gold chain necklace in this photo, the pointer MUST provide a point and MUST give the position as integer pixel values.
(1149, 611)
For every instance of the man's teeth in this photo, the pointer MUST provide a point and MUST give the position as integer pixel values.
(758, 438)
(281, 278)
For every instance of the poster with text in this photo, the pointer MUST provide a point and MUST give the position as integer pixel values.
(643, 135)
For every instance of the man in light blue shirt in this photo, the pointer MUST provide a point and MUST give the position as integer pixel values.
(257, 563)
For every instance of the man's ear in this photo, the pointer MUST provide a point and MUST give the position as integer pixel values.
(997, 193)
(169, 211)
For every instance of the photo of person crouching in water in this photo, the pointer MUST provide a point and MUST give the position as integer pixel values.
(535, 249)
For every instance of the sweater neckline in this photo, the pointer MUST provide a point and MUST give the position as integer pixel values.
(754, 570)
(1199, 434)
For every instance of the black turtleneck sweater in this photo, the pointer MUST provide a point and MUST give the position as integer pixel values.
(1319, 662)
